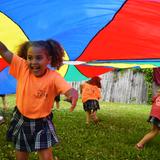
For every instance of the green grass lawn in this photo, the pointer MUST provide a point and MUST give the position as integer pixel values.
(121, 126)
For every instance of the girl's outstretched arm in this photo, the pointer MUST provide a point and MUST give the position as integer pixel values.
(5, 53)
(72, 94)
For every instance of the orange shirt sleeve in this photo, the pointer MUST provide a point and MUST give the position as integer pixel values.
(62, 86)
(17, 66)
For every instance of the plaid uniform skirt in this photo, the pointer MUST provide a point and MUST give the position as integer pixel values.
(31, 134)
(2, 95)
(91, 105)
(154, 121)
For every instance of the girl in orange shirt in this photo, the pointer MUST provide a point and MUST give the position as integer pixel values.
(91, 94)
(154, 119)
(31, 127)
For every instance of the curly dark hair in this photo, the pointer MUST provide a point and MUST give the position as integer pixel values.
(55, 50)
(95, 81)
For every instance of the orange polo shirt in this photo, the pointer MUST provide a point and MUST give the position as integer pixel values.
(90, 92)
(35, 95)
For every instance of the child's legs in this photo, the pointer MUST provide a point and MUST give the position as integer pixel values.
(4, 103)
(88, 114)
(149, 136)
(57, 100)
(94, 115)
(57, 104)
(21, 155)
(46, 154)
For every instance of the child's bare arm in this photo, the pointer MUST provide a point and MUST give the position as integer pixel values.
(72, 94)
(5, 53)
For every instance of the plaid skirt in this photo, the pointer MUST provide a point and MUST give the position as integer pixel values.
(91, 105)
(2, 95)
(154, 121)
(31, 134)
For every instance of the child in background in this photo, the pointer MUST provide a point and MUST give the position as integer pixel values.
(91, 94)
(154, 119)
(31, 128)
(57, 100)
(4, 102)
(4, 107)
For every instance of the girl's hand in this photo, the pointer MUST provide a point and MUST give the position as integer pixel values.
(71, 109)
(72, 95)
(5, 53)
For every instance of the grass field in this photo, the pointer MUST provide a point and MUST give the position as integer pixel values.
(113, 138)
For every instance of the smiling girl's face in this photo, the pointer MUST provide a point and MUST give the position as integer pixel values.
(38, 59)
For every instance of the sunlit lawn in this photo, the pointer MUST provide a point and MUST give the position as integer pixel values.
(121, 126)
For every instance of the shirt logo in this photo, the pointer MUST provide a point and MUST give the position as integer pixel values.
(41, 94)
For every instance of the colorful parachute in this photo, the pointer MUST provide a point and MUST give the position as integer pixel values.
(98, 36)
